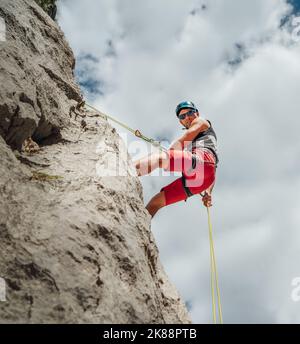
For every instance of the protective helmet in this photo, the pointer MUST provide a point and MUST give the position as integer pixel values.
(185, 105)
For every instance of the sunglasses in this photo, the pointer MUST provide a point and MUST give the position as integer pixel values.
(188, 113)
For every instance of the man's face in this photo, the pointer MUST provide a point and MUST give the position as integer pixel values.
(188, 119)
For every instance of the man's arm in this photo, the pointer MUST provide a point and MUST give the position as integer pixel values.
(196, 127)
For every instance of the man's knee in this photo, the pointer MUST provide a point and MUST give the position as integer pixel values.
(158, 200)
(156, 203)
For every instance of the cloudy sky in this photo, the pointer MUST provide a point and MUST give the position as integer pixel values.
(239, 61)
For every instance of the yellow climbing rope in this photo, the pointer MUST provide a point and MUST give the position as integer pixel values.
(214, 281)
(136, 132)
(213, 266)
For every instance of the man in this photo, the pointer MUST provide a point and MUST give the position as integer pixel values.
(200, 158)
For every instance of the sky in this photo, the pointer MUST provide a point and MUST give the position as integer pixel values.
(239, 62)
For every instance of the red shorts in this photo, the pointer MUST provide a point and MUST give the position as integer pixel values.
(198, 179)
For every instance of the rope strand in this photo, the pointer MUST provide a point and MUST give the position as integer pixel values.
(214, 275)
(135, 132)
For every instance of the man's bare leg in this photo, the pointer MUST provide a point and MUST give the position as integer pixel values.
(158, 201)
(150, 162)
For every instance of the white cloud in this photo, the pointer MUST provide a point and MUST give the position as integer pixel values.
(159, 54)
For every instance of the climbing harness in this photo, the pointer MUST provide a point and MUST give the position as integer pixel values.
(214, 281)
(195, 160)
(213, 266)
(208, 136)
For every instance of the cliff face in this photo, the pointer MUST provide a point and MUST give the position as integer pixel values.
(75, 245)
(37, 85)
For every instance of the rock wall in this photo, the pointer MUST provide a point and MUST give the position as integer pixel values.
(75, 244)
(49, 6)
(36, 75)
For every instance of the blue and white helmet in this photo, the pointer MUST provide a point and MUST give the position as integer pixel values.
(185, 105)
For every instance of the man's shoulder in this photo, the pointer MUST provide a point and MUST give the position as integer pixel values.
(202, 120)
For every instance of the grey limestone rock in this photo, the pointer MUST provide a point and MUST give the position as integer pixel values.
(75, 242)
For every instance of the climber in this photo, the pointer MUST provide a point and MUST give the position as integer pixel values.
(200, 157)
